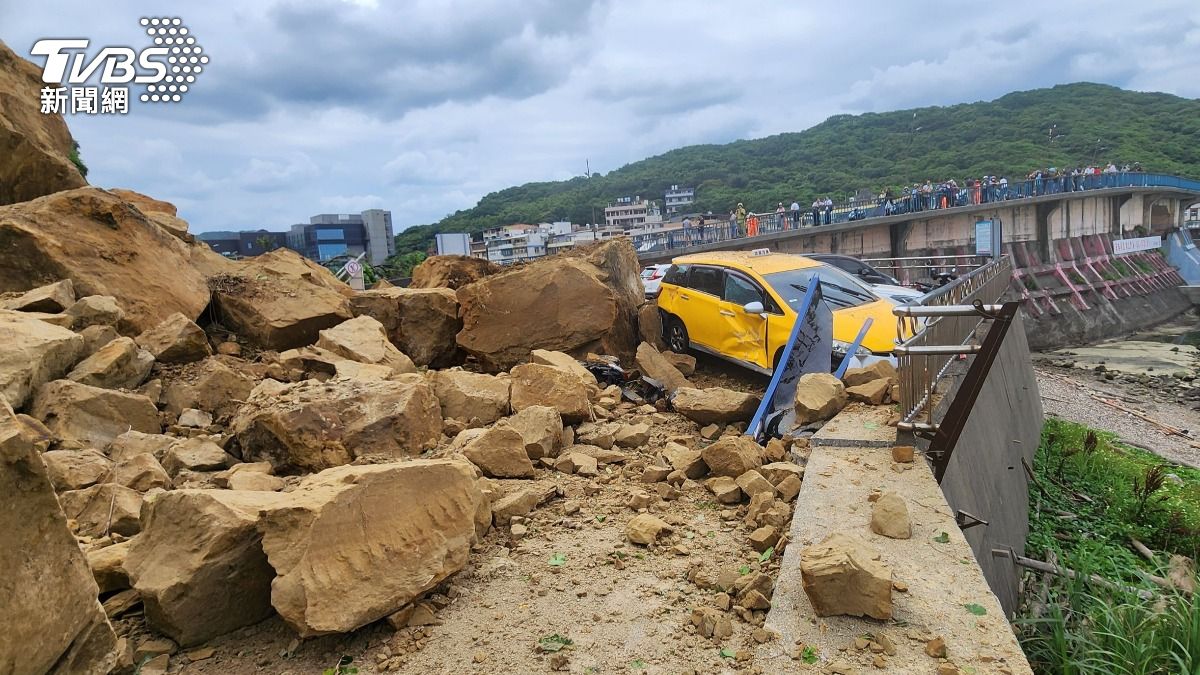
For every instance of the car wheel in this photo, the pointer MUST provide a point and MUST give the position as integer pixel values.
(677, 336)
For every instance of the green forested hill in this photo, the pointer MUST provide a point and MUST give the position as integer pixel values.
(1008, 136)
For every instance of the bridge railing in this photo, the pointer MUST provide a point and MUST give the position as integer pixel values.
(951, 319)
(924, 268)
(719, 228)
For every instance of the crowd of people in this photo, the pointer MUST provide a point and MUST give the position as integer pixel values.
(927, 196)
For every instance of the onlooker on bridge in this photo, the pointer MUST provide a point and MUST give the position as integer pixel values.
(752, 226)
(828, 206)
(733, 228)
(687, 230)
(741, 220)
(795, 215)
(780, 217)
(816, 211)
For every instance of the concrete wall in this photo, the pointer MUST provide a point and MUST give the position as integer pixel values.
(985, 476)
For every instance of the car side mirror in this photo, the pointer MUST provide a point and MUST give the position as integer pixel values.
(755, 307)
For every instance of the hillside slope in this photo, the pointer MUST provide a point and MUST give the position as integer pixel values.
(1008, 136)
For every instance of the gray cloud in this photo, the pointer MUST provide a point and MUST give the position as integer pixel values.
(422, 107)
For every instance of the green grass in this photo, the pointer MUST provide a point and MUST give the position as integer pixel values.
(1096, 494)
(76, 160)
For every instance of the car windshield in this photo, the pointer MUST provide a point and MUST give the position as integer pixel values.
(648, 272)
(839, 289)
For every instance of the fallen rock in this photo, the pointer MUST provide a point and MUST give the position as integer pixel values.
(252, 480)
(132, 443)
(788, 488)
(95, 337)
(213, 385)
(565, 362)
(650, 327)
(764, 538)
(577, 463)
(600, 435)
(451, 271)
(632, 435)
(684, 459)
(880, 370)
(711, 623)
(500, 453)
(732, 456)
(163, 214)
(464, 395)
(107, 248)
(195, 418)
(843, 575)
(37, 147)
(654, 365)
(93, 310)
(91, 415)
(309, 425)
(582, 301)
(714, 405)
(889, 517)
(422, 322)
(872, 393)
(684, 363)
(50, 299)
(53, 621)
(819, 396)
(902, 453)
(103, 508)
(776, 472)
(34, 353)
(541, 428)
(725, 489)
(120, 364)
(76, 469)
(280, 300)
(337, 570)
(645, 529)
(364, 340)
(536, 384)
(141, 472)
(752, 483)
(196, 454)
(199, 563)
(176, 340)
(108, 567)
(521, 502)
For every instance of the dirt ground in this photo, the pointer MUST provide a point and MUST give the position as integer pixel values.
(624, 607)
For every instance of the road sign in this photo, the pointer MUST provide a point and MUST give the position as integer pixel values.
(354, 268)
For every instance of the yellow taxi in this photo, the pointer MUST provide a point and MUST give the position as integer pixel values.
(741, 306)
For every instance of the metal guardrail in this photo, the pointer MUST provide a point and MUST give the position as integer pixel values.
(926, 268)
(717, 228)
(952, 316)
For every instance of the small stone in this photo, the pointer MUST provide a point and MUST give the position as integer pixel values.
(639, 500)
(710, 432)
(479, 657)
(722, 601)
(902, 453)
(788, 488)
(518, 532)
(155, 666)
(889, 517)
(655, 474)
(900, 586)
(191, 417)
(645, 529)
(570, 507)
(725, 489)
(948, 669)
(229, 349)
(200, 654)
(936, 648)
(879, 662)
(752, 483)
(763, 538)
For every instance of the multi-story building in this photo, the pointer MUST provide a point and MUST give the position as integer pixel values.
(632, 212)
(454, 243)
(381, 241)
(677, 199)
(245, 243)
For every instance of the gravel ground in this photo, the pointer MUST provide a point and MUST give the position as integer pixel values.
(1068, 400)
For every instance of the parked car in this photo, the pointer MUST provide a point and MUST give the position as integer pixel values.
(652, 276)
(884, 284)
(741, 306)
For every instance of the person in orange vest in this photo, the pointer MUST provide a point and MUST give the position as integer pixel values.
(752, 225)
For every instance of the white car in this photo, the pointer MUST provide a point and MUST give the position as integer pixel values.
(652, 277)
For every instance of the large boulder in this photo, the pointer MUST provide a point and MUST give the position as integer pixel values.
(500, 453)
(106, 248)
(33, 353)
(103, 508)
(842, 575)
(422, 322)
(176, 340)
(35, 148)
(819, 396)
(650, 326)
(451, 271)
(577, 302)
(51, 299)
(714, 405)
(198, 564)
(732, 456)
(163, 214)
(91, 415)
(364, 340)
(541, 428)
(536, 384)
(120, 364)
(280, 300)
(218, 384)
(356, 543)
(76, 469)
(310, 426)
(465, 395)
(52, 621)
(654, 365)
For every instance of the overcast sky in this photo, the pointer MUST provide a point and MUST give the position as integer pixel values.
(311, 106)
